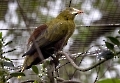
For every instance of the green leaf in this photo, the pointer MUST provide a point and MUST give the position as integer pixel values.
(35, 81)
(7, 59)
(46, 63)
(117, 36)
(1, 44)
(117, 53)
(114, 40)
(8, 43)
(9, 51)
(0, 35)
(109, 81)
(8, 64)
(16, 74)
(109, 45)
(35, 69)
(3, 72)
(119, 31)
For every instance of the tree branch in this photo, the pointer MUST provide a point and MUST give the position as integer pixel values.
(78, 68)
(28, 81)
(66, 81)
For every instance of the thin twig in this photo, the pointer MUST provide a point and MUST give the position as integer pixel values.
(23, 14)
(79, 55)
(97, 74)
(70, 3)
(66, 81)
(27, 25)
(50, 72)
(107, 68)
(78, 68)
(28, 81)
(100, 25)
(68, 62)
(78, 64)
(93, 25)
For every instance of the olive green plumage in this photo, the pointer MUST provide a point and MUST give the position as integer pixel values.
(51, 37)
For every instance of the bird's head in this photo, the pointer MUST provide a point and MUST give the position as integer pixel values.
(69, 13)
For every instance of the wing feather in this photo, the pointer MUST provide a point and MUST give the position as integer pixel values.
(48, 37)
(37, 32)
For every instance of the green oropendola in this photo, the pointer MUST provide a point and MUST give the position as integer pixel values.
(50, 37)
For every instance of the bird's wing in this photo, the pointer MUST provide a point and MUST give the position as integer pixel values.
(51, 35)
(38, 31)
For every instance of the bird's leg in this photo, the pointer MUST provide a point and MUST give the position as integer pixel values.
(55, 61)
(50, 51)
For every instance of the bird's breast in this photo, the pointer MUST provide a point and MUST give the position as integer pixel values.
(59, 29)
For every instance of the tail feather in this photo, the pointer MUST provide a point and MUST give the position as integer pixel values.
(31, 51)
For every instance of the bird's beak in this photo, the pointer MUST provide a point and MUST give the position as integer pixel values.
(76, 11)
(80, 11)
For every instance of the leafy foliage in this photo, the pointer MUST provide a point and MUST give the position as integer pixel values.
(4, 61)
(107, 54)
(115, 80)
(109, 45)
(119, 31)
(35, 69)
(114, 40)
(16, 74)
(35, 81)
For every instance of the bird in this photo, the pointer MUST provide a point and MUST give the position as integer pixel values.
(49, 38)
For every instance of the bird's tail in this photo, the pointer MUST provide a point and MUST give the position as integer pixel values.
(24, 66)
